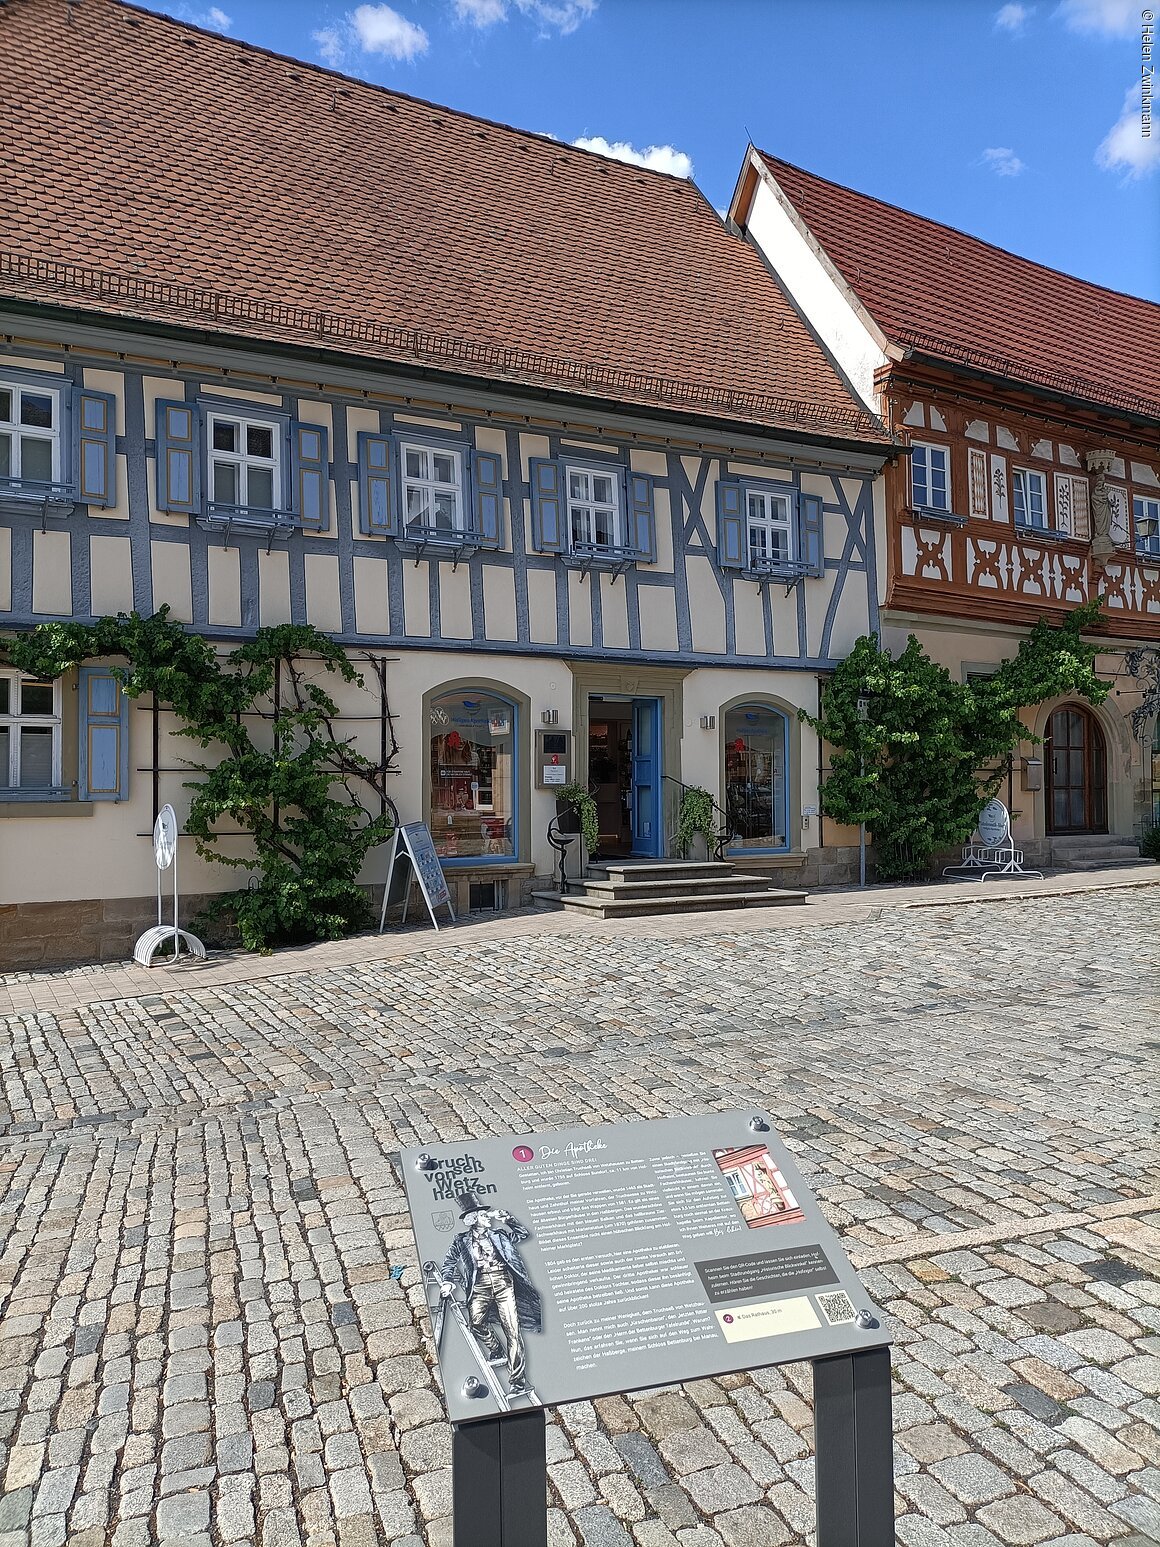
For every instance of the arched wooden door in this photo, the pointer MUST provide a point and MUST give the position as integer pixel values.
(1077, 768)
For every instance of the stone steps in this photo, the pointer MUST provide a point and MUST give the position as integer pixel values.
(1104, 864)
(616, 890)
(1094, 851)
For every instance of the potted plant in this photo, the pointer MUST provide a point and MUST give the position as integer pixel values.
(697, 815)
(576, 811)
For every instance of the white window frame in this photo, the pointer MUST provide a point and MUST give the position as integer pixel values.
(587, 507)
(434, 486)
(15, 430)
(926, 447)
(1021, 491)
(242, 459)
(1146, 508)
(14, 720)
(770, 525)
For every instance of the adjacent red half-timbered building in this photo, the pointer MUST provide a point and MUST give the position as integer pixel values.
(1030, 403)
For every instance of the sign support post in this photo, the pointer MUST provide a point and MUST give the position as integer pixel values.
(854, 1449)
(499, 1481)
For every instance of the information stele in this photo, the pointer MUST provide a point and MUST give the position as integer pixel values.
(639, 1254)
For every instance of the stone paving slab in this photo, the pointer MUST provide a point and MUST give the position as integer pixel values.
(201, 1340)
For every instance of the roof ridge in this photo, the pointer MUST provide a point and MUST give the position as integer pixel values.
(540, 137)
(943, 225)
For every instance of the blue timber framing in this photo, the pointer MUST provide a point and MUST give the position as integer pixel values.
(692, 461)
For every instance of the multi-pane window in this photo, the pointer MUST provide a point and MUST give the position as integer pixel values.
(1029, 493)
(29, 433)
(244, 462)
(930, 477)
(433, 489)
(593, 508)
(29, 733)
(1146, 514)
(768, 528)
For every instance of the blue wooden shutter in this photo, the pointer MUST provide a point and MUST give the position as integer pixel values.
(178, 457)
(642, 526)
(731, 544)
(310, 474)
(94, 448)
(547, 506)
(487, 494)
(104, 736)
(378, 507)
(810, 533)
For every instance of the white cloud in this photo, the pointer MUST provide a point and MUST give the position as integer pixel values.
(382, 31)
(1013, 18)
(1003, 161)
(661, 158)
(564, 15)
(1124, 148)
(1110, 18)
(213, 20)
(481, 13)
(370, 29)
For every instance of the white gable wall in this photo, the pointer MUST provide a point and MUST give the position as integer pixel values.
(819, 297)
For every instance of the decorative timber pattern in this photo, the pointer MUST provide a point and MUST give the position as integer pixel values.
(335, 556)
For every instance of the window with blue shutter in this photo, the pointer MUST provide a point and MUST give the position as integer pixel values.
(548, 534)
(104, 736)
(310, 475)
(487, 494)
(642, 532)
(178, 458)
(810, 532)
(378, 505)
(94, 448)
(731, 544)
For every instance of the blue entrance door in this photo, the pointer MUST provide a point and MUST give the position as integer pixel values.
(646, 776)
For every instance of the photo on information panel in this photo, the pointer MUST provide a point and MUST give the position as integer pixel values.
(759, 1189)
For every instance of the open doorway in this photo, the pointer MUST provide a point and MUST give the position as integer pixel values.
(624, 741)
(610, 773)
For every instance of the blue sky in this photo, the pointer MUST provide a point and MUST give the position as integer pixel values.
(1015, 122)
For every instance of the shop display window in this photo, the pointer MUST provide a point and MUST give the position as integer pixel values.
(473, 776)
(755, 777)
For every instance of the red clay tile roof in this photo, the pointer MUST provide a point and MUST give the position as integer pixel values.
(951, 295)
(155, 170)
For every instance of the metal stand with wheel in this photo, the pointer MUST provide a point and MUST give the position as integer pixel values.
(165, 855)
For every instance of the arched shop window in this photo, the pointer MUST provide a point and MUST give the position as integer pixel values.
(472, 743)
(756, 756)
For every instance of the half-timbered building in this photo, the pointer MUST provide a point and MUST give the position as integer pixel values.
(527, 430)
(1030, 403)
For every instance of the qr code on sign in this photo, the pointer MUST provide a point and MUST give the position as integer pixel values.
(837, 1307)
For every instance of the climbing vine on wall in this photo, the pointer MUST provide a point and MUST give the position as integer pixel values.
(312, 806)
(927, 752)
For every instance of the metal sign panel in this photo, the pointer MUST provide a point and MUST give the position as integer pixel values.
(165, 837)
(412, 841)
(575, 1263)
(994, 824)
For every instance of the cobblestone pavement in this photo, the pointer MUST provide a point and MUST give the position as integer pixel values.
(201, 1341)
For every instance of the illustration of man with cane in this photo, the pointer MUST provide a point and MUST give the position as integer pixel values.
(484, 1262)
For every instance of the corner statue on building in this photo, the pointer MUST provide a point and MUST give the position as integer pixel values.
(484, 1262)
